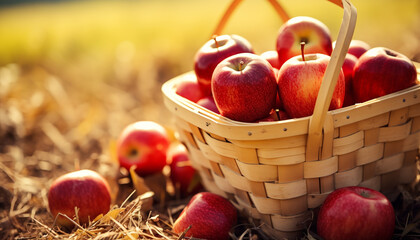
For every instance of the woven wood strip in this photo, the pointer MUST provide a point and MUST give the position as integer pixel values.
(351, 177)
(389, 164)
(258, 172)
(408, 174)
(388, 134)
(373, 122)
(321, 168)
(280, 152)
(414, 110)
(289, 160)
(369, 154)
(286, 190)
(223, 184)
(290, 173)
(291, 223)
(283, 143)
(348, 144)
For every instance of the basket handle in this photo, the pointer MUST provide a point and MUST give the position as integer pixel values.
(329, 81)
(316, 122)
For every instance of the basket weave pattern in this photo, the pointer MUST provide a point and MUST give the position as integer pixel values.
(373, 144)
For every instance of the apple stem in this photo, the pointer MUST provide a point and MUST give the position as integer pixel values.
(215, 40)
(302, 50)
(241, 64)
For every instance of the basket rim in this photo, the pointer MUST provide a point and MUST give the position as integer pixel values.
(222, 126)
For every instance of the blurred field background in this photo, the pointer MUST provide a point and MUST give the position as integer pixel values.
(73, 74)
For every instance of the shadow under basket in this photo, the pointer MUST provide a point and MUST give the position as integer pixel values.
(278, 172)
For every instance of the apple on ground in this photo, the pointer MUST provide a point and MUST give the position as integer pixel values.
(348, 67)
(244, 87)
(299, 81)
(208, 102)
(183, 175)
(356, 213)
(209, 215)
(272, 57)
(312, 32)
(212, 53)
(381, 71)
(143, 144)
(84, 189)
(189, 89)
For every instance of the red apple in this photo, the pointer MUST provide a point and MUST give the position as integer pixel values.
(84, 189)
(244, 87)
(143, 144)
(348, 67)
(299, 81)
(272, 57)
(358, 47)
(356, 213)
(208, 102)
(182, 173)
(209, 215)
(189, 89)
(282, 115)
(212, 53)
(278, 104)
(312, 32)
(381, 71)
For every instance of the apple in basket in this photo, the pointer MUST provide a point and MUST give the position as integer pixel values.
(183, 175)
(381, 71)
(208, 215)
(356, 213)
(189, 89)
(312, 32)
(208, 102)
(143, 144)
(358, 47)
(348, 67)
(212, 53)
(84, 189)
(272, 57)
(244, 87)
(299, 81)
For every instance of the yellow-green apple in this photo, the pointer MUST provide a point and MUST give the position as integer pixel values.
(84, 189)
(358, 47)
(348, 67)
(189, 89)
(209, 215)
(311, 31)
(299, 81)
(244, 87)
(143, 144)
(208, 102)
(182, 174)
(356, 213)
(381, 71)
(212, 53)
(272, 57)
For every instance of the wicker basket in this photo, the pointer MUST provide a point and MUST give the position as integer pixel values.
(276, 172)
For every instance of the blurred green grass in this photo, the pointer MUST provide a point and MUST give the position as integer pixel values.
(104, 31)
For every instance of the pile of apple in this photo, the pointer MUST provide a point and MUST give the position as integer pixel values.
(81, 196)
(231, 79)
